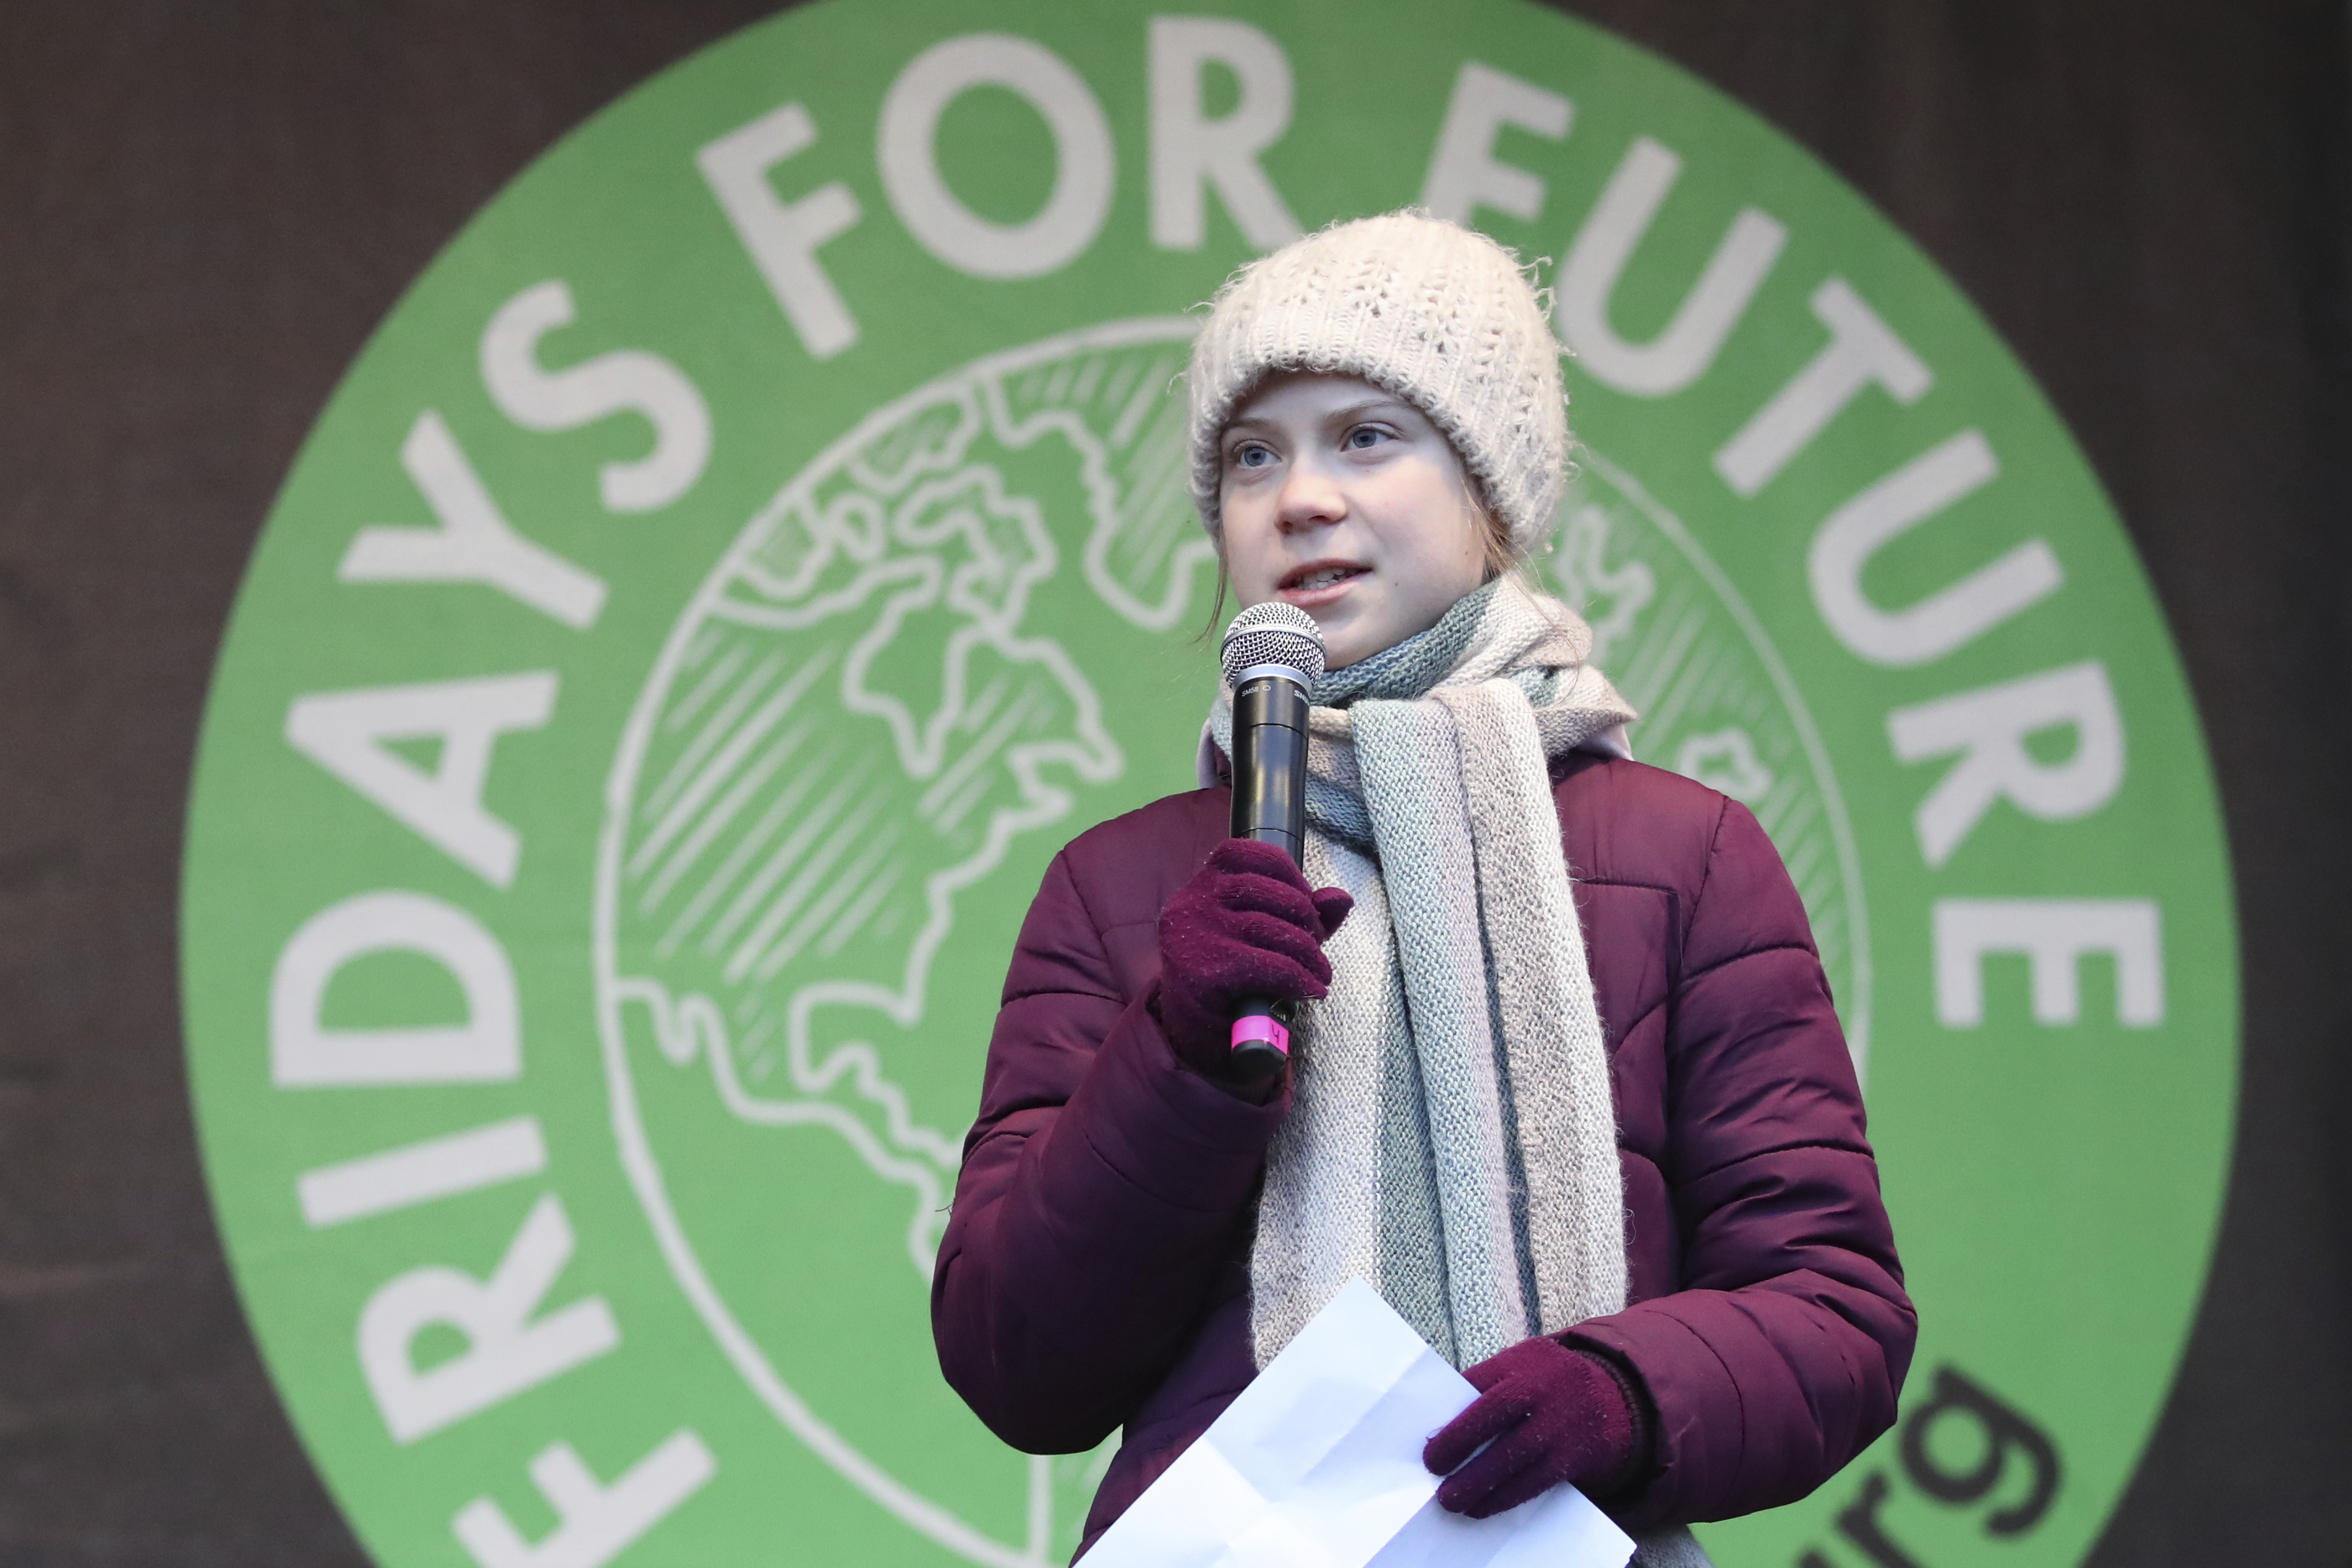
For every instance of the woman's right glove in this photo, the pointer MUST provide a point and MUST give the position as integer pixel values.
(1246, 925)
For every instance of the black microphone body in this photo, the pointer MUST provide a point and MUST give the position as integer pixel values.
(1272, 653)
(1270, 762)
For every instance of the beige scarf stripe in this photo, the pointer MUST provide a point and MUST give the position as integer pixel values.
(1564, 1111)
(1327, 1227)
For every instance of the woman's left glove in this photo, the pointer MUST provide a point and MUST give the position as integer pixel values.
(1553, 1414)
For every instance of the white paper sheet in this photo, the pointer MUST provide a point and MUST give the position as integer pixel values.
(1318, 1465)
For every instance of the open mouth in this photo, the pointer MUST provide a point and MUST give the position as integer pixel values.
(1319, 575)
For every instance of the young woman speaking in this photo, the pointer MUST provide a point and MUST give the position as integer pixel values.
(1567, 1087)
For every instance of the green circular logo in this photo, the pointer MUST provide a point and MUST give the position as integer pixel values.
(759, 542)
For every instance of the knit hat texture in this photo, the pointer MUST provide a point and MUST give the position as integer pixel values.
(1432, 312)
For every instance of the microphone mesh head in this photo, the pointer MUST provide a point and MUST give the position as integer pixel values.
(1274, 633)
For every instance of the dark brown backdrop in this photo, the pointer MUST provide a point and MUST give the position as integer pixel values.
(206, 206)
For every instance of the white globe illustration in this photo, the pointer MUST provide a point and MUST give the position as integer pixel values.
(918, 661)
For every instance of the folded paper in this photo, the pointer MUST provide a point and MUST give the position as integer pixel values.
(1318, 1465)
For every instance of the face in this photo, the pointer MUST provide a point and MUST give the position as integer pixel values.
(1345, 500)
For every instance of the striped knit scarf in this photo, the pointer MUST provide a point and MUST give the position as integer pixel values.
(1451, 1138)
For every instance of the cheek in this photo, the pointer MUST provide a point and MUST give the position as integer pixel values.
(1452, 559)
(1246, 554)
(1436, 528)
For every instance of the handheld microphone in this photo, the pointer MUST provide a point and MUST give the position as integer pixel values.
(1272, 653)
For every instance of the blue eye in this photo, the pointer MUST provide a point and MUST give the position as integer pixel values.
(1363, 435)
(1252, 455)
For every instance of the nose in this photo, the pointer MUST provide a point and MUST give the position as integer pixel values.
(1310, 498)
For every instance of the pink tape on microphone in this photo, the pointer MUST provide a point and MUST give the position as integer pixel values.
(1259, 1027)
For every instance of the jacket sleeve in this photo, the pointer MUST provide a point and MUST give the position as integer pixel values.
(1103, 1188)
(1781, 1358)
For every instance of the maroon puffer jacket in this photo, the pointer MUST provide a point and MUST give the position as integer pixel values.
(1095, 1270)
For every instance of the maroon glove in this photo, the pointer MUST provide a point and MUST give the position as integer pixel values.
(1246, 925)
(1554, 1414)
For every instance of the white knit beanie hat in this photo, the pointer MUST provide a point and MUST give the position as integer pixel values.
(1425, 308)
